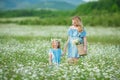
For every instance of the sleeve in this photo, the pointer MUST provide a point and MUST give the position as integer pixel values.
(83, 33)
(69, 32)
(50, 52)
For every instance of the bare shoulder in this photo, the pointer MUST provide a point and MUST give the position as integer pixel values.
(72, 27)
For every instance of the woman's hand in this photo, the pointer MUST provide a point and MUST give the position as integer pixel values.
(65, 47)
(85, 48)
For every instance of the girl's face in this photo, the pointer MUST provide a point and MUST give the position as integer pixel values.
(55, 44)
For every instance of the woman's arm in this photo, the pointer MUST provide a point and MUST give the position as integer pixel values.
(85, 43)
(65, 46)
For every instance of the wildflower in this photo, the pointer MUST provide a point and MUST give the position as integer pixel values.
(76, 41)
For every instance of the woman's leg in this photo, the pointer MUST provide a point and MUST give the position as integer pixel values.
(75, 60)
(70, 60)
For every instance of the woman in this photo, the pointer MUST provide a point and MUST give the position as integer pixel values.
(75, 31)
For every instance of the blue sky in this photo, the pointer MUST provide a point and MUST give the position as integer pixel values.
(90, 0)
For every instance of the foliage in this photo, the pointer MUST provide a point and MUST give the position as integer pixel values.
(102, 20)
(102, 12)
(98, 7)
(24, 54)
(40, 13)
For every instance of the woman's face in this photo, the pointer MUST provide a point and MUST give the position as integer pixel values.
(74, 22)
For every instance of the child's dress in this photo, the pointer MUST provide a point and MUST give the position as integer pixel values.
(74, 34)
(56, 55)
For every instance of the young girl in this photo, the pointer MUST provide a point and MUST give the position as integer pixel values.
(55, 53)
(76, 31)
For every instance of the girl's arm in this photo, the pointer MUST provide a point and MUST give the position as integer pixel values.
(85, 43)
(50, 59)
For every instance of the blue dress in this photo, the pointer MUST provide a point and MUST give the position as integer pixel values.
(74, 34)
(56, 55)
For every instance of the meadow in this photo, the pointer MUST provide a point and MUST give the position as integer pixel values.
(24, 53)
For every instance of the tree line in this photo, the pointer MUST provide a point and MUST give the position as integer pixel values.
(102, 12)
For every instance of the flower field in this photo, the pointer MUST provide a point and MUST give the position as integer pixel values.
(24, 54)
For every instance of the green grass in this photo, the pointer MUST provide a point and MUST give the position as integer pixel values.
(106, 20)
(24, 54)
(104, 39)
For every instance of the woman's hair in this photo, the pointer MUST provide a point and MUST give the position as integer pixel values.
(78, 23)
(57, 41)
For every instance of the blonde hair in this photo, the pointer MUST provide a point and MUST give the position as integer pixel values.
(78, 23)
